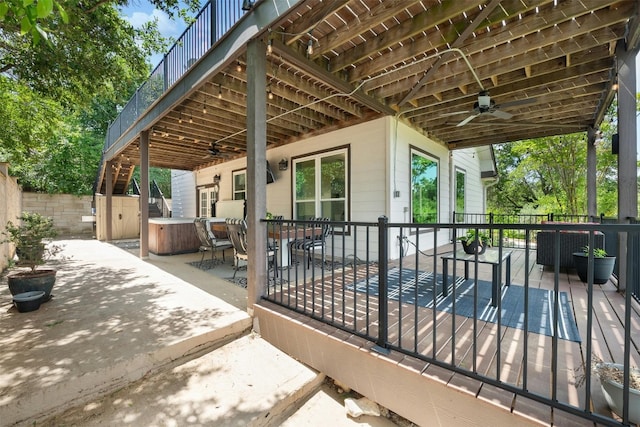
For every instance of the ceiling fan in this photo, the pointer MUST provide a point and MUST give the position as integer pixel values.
(212, 151)
(485, 105)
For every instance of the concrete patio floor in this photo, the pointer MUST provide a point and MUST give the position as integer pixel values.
(126, 341)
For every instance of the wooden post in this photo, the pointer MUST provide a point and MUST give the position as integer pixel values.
(144, 194)
(628, 153)
(592, 204)
(256, 171)
(108, 215)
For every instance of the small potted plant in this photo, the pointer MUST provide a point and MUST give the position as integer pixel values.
(475, 241)
(603, 265)
(32, 240)
(611, 377)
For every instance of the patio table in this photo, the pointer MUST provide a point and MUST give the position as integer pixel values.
(285, 234)
(490, 256)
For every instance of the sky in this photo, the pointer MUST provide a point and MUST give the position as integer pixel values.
(143, 12)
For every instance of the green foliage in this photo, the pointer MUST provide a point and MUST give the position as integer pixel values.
(29, 238)
(48, 147)
(597, 252)
(58, 97)
(473, 235)
(161, 176)
(29, 16)
(424, 189)
(547, 174)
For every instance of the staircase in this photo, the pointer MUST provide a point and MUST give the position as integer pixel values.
(154, 211)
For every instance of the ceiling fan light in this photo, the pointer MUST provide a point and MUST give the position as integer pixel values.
(484, 100)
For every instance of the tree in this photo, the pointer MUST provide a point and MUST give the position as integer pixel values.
(65, 70)
(547, 174)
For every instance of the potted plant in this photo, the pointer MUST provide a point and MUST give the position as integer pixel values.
(603, 265)
(32, 240)
(611, 376)
(475, 241)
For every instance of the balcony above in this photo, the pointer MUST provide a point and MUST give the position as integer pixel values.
(465, 73)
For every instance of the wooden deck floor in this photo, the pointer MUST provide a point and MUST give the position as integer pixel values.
(504, 354)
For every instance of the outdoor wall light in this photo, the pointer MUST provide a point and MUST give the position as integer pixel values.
(216, 179)
(247, 5)
(283, 164)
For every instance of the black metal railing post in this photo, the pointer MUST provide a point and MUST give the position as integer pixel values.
(383, 308)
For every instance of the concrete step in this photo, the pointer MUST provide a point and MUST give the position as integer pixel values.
(113, 320)
(326, 408)
(247, 382)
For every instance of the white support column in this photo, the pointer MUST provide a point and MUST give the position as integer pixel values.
(592, 199)
(144, 194)
(256, 171)
(628, 152)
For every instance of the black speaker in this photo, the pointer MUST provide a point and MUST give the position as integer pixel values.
(614, 144)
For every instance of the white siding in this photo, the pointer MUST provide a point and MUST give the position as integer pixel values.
(468, 161)
(183, 194)
(401, 139)
(379, 167)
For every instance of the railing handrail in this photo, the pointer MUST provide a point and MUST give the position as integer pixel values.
(218, 22)
(208, 26)
(341, 297)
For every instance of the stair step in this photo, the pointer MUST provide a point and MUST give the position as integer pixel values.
(247, 382)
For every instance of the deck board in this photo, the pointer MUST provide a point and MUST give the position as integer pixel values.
(414, 328)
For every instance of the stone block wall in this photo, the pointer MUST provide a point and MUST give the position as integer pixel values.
(65, 209)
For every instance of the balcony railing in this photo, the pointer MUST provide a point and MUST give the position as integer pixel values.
(506, 339)
(211, 23)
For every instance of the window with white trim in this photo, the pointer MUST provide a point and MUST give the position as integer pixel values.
(320, 183)
(239, 185)
(424, 187)
(460, 191)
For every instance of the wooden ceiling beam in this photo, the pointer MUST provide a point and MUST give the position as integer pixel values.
(311, 19)
(297, 84)
(364, 23)
(458, 73)
(456, 44)
(520, 37)
(235, 94)
(439, 14)
(433, 41)
(341, 86)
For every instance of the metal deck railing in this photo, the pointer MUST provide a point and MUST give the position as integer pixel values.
(211, 23)
(357, 284)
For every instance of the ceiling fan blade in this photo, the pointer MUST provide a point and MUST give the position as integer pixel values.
(467, 120)
(517, 102)
(455, 113)
(501, 114)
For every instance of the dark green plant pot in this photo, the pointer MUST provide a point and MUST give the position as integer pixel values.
(473, 247)
(602, 267)
(26, 281)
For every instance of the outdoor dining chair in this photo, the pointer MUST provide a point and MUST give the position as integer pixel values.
(237, 230)
(317, 242)
(208, 241)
